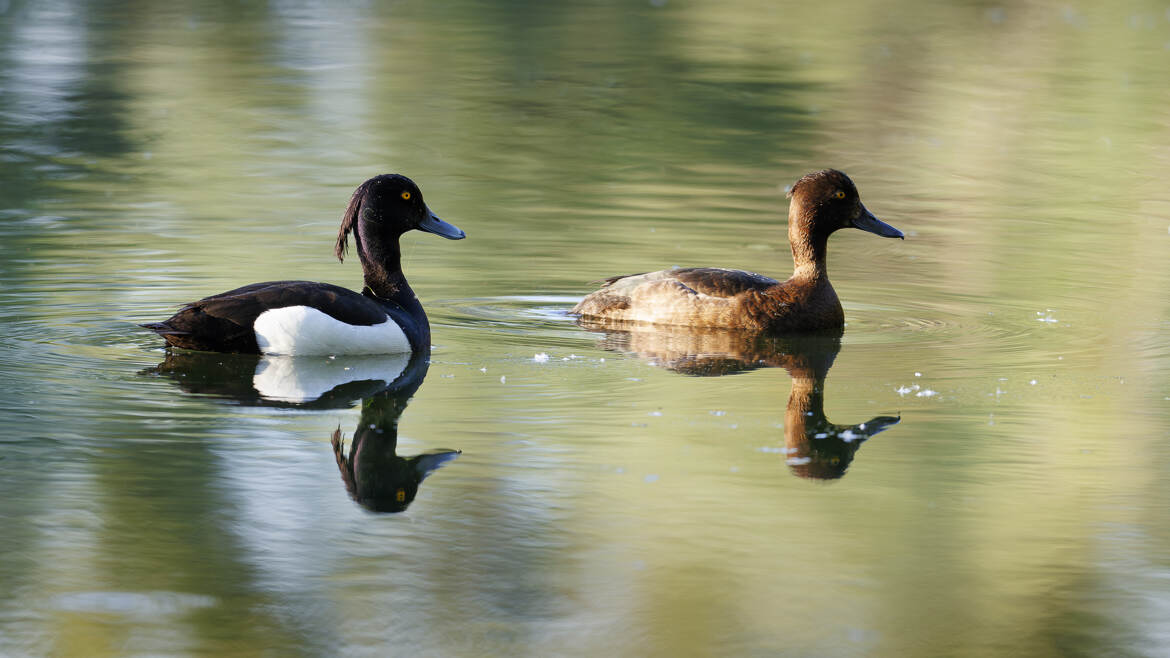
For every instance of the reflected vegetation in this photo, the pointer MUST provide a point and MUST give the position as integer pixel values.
(374, 474)
(815, 447)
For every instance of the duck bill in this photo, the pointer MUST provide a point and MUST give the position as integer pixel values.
(432, 224)
(426, 464)
(878, 424)
(867, 222)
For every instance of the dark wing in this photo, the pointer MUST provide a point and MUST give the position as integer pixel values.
(223, 322)
(718, 282)
(243, 305)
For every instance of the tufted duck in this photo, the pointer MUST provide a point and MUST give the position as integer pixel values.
(304, 317)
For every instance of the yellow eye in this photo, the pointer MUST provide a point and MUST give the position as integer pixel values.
(840, 194)
(406, 196)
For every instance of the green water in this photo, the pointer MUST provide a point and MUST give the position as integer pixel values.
(607, 500)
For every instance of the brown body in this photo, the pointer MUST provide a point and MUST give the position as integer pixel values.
(822, 202)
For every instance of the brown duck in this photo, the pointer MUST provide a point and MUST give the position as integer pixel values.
(822, 202)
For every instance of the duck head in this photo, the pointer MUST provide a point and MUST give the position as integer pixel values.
(381, 210)
(822, 202)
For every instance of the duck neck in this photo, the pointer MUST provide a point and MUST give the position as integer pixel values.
(809, 246)
(382, 266)
(806, 408)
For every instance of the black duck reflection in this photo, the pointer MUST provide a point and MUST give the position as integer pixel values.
(374, 474)
(815, 447)
(304, 382)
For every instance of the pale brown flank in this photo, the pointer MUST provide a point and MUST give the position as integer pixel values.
(822, 202)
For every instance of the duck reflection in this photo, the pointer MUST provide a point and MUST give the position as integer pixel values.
(305, 382)
(815, 447)
(373, 472)
(375, 475)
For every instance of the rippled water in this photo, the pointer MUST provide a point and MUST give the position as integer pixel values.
(975, 468)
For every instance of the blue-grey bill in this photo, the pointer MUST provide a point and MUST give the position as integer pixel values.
(878, 424)
(867, 222)
(432, 224)
(426, 464)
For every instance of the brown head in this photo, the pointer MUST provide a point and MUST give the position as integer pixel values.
(822, 202)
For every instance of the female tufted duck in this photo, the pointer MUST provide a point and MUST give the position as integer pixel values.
(303, 317)
(822, 202)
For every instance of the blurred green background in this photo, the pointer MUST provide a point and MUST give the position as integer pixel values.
(151, 154)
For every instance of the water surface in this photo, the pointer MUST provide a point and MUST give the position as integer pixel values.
(613, 494)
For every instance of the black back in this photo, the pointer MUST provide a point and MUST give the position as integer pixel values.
(223, 322)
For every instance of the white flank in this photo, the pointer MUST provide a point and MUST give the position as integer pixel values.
(298, 330)
(304, 379)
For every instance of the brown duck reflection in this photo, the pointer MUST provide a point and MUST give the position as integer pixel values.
(815, 447)
(374, 474)
(818, 448)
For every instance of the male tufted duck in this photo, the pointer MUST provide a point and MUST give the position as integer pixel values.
(822, 202)
(304, 317)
